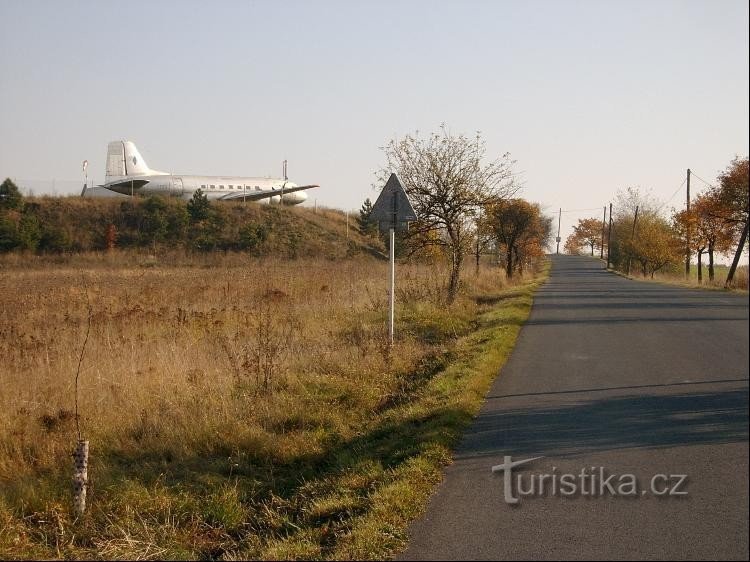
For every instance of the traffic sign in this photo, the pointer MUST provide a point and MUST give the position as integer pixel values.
(392, 209)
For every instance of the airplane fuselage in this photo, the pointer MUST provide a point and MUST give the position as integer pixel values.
(127, 173)
(214, 187)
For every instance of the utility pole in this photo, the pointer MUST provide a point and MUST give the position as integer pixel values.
(559, 220)
(604, 228)
(632, 237)
(687, 232)
(609, 236)
(392, 278)
(283, 185)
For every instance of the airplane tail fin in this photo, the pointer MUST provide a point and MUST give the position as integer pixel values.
(123, 160)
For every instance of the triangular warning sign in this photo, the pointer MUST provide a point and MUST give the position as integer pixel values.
(393, 208)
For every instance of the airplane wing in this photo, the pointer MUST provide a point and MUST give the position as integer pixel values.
(257, 195)
(123, 184)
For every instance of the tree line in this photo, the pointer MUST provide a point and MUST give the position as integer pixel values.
(644, 238)
(465, 205)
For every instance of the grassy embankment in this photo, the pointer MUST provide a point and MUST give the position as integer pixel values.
(677, 277)
(237, 412)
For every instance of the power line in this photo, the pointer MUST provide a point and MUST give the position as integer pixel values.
(700, 178)
(672, 196)
(579, 210)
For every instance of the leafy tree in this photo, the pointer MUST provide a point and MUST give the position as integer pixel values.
(572, 244)
(533, 242)
(626, 202)
(655, 244)
(9, 239)
(10, 196)
(29, 231)
(588, 232)
(520, 230)
(447, 182)
(686, 223)
(709, 231)
(177, 219)
(734, 195)
(199, 207)
(54, 239)
(154, 227)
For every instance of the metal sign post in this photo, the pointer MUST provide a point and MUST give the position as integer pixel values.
(392, 211)
(392, 285)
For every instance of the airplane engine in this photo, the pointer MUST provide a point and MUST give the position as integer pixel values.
(275, 200)
(295, 198)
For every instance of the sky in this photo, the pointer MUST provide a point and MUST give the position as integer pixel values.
(588, 97)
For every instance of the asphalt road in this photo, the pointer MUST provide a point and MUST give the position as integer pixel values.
(634, 378)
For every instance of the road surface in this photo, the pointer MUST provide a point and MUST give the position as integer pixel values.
(629, 378)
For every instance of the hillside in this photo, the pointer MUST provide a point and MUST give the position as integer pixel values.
(54, 225)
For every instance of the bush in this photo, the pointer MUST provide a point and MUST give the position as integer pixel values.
(252, 236)
(9, 239)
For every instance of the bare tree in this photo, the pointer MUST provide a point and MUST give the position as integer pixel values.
(448, 184)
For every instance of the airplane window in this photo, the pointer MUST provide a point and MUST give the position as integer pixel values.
(230, 186)
(257, 188)
(221, 187)
(203, 187)
(213, 187)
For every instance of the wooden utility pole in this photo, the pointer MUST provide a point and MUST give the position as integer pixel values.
(632, 237)
(687, 232)
(559, 220)
(604, 228)
(609, 237)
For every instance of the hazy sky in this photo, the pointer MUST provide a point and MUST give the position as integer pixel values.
(587, 96)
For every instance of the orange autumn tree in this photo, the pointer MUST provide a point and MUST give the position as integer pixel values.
(521, 231)
(733, 194)
(655, 245)
(588, 233)
(685, 224)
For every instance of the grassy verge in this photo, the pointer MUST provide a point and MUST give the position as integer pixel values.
(430, 426)
(679, 280)
(193, 455)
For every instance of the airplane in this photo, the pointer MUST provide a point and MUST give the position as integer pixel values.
(127, 173)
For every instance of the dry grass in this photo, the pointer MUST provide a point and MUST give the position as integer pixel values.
(676, 276)
(247, 409)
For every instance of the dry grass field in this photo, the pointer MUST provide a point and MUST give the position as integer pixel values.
(235, 407)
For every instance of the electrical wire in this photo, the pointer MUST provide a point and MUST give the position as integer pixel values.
(672, 196)
(692, 173)
(581, 210)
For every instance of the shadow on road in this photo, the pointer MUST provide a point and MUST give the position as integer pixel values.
(635, 421)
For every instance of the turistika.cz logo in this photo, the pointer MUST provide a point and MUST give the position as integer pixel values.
(594, 481)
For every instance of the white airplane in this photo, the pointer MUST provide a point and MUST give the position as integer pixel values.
(127, 173)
